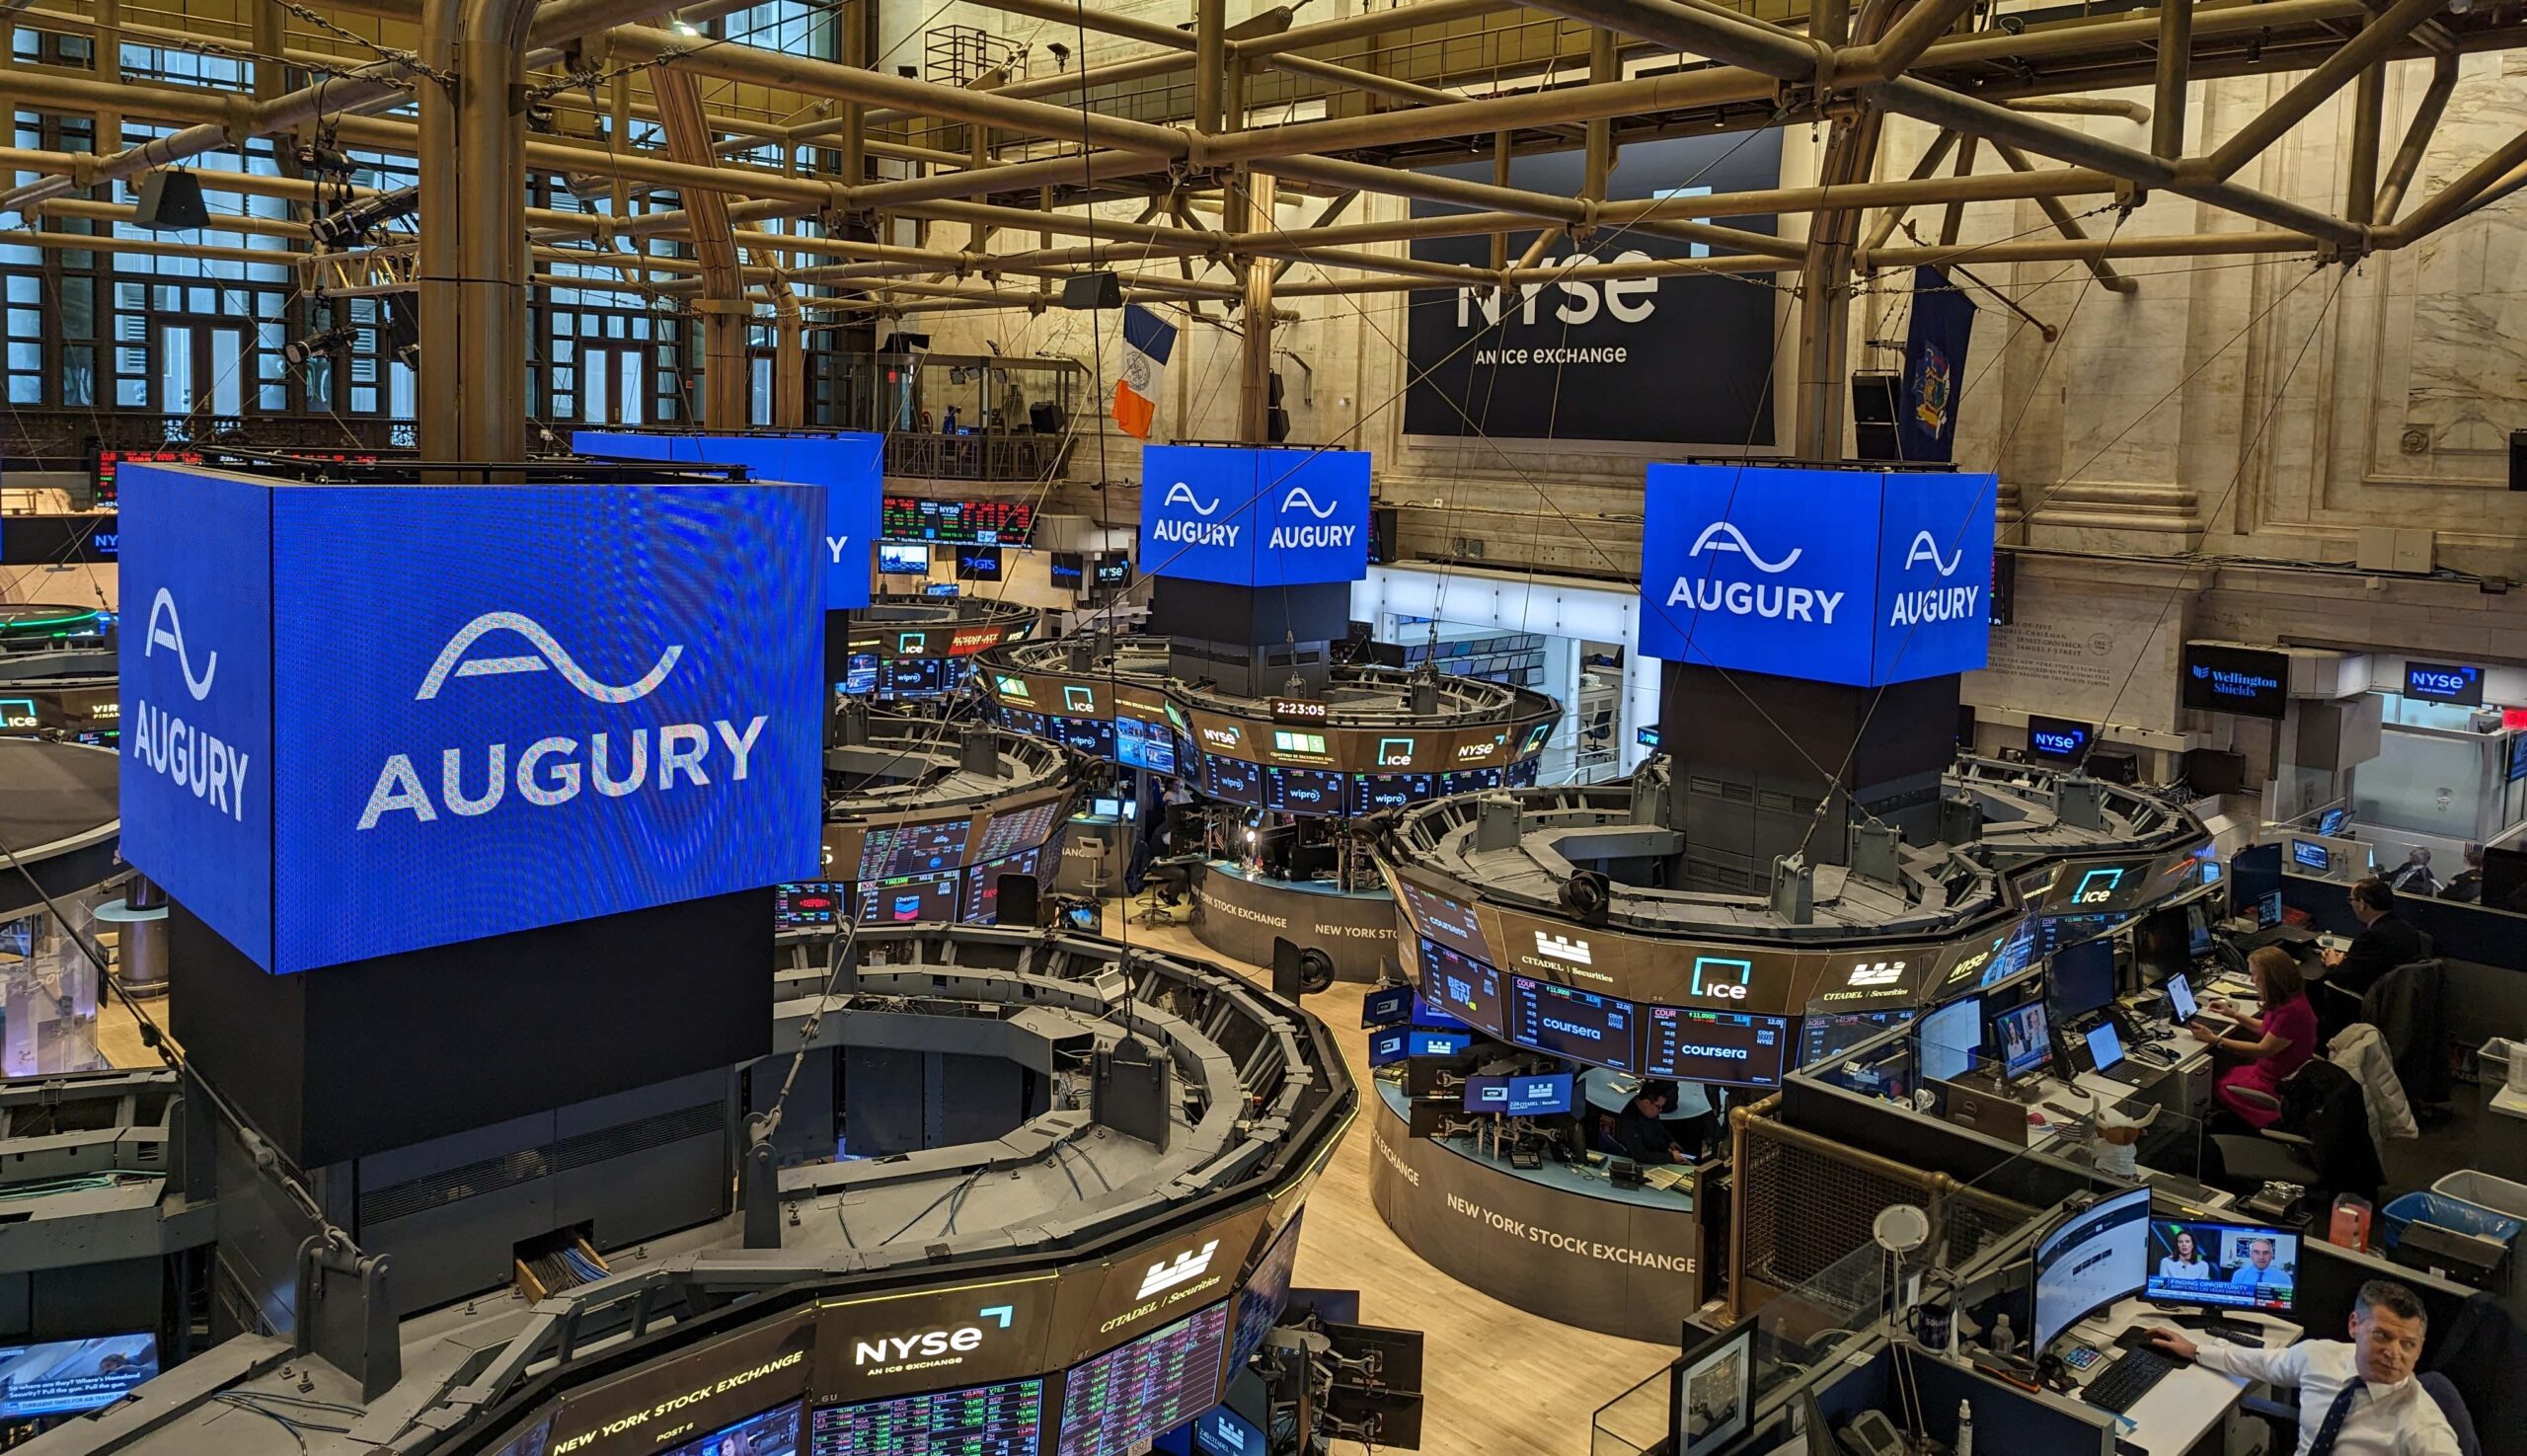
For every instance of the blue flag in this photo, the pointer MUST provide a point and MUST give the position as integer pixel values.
(1933, 369)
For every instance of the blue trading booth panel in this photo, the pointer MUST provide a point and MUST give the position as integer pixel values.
(1255, 517)
(1832, 575)
(485, 709)
(849, 466)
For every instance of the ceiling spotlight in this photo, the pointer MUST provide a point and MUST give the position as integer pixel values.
(1061, 54)
(351, 226)
(299, 351)
(683, 27)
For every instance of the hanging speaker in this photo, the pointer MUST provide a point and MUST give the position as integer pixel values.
(1020, 900)
(1874, 396)
(1093, 290)
(170, 201)
(2518, 460)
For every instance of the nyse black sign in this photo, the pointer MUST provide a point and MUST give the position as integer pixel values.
(1681, 358)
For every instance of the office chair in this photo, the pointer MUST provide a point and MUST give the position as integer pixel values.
(1170, 879)
(2283, 1418)
(2409, 1007)
(2320, 1141)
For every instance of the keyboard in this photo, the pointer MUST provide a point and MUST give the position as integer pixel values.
(2124, 1382)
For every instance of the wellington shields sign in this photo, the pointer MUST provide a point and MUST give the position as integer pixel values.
(367, 720)
(1248, 517)
(1851, 577)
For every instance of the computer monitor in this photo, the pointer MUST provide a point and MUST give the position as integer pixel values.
(2091, 1257)
(2106, 1046)
(1437, 1043)
(2197, 930)
(1950, 1036)
(2027, 1046)
(2222, 1265)
(2267, 909)
(2182, 1006)
(1387, 1006)
(1106, 808)
(1390, 1045)
(1543, 1096)
(903, 560)
(2308, 854)
(2210, 871)
(2081, 977)
(2159, 945)
(2330, 823)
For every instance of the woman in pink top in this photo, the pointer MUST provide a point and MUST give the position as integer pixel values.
(2274, 1044)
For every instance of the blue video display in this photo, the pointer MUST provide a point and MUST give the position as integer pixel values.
(1251, 518)
(1143, 744)
(473, 743)
(1461, 987)
(1849, 577)
(2460, 684)
(848, 466)
(1540, 1096)
(1373, 792)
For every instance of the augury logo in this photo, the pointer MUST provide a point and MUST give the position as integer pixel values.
(1751, 598)
(1924, 548)
(1934, 603)
(1201, 532)
(1725, 536)
(549, 772)
(1306, 537)
(1300, 499)
(551, 653)
(165, 743)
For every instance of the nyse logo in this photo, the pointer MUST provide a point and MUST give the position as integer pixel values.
(1722, 978)
(930, 1345)
(1202, 530)
(1185, 1268)
(164, 742)
(549, 770)
(1624, 300)
(1220, 738)
(2057, 744)
(1560, 948)
(1751, 598)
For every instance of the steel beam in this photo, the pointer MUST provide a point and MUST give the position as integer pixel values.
(2355, 55)
(2176, 61)
(2065, 224)
(2416, 140)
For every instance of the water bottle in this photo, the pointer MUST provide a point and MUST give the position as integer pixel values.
(2003, 1340)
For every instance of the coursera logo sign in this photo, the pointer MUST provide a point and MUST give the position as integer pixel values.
(549, 772)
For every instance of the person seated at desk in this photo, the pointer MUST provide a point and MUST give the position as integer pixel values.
(2276, 1042)
(2359, 1399)
(2415, 877)
(1691, 1118)
(2184, 1259)
(2466, 887)
(1641, 1136)
(2384, 942)
(2260, 1267)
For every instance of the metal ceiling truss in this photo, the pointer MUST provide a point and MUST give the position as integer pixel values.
(1338, 108)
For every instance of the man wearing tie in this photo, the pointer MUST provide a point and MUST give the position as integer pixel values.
(2354, 1400)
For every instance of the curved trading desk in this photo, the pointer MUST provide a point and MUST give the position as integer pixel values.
(1243, 912)
(1555, 1241)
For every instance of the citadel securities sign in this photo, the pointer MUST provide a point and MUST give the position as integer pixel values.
(1681, 358)
(1254, 517)
(1834, 576)
(849, 466)
(364, 720)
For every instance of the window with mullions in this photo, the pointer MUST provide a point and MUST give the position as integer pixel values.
(788, 26)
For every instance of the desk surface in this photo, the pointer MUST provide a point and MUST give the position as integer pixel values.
(1296, 886)
(2179, 1408)
(1587, 1181)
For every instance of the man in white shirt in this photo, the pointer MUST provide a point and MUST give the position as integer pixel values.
(2354, 1400)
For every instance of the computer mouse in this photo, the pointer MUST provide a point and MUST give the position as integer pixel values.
(2037, 1120)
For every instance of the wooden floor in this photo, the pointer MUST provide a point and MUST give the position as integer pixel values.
(1499, 1381)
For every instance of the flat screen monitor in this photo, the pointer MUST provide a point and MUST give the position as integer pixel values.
(2106, 1046)
(2091, 1259)
(1221, 1431)
(2222, 1265)
(1950, 1036)
(2161, 944)
(1125, 1399)
(1580, 1025)
(1389, 1046)
(62, 1377)
(1114, 572)
(1106, 808)
(2267, 906)
(1422, 1041)
(2081, 977)
(938, 588)
(808, 903)
(2504, 877)
(2197, 930)
(1004, 1419)
(2252, 872)
(2307, 854)
(2210, 871)
(903, 560)
(1068, 571)
(2027, 1047)
(860, 674)
(1387, 1006)
(1081, 917)
(1427, 1015)
(1461, 987)
(2182, 1006)
(1543, 1096)
(775, 1431)
(1724, 1048)
(977, 562)
(1823, 1038)
(2517, 758)
(1714, 1400)
(2330, 823)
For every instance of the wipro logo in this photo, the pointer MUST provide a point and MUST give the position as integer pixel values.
(166, 743)
(1185, 1268)
(549, 770)
(1741, 598)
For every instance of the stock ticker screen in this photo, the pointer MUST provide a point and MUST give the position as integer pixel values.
(1129, 1396)
(986, 1420)
(1581, 1024)
(1461, 987)
(981, 523)
(1733, 1048)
